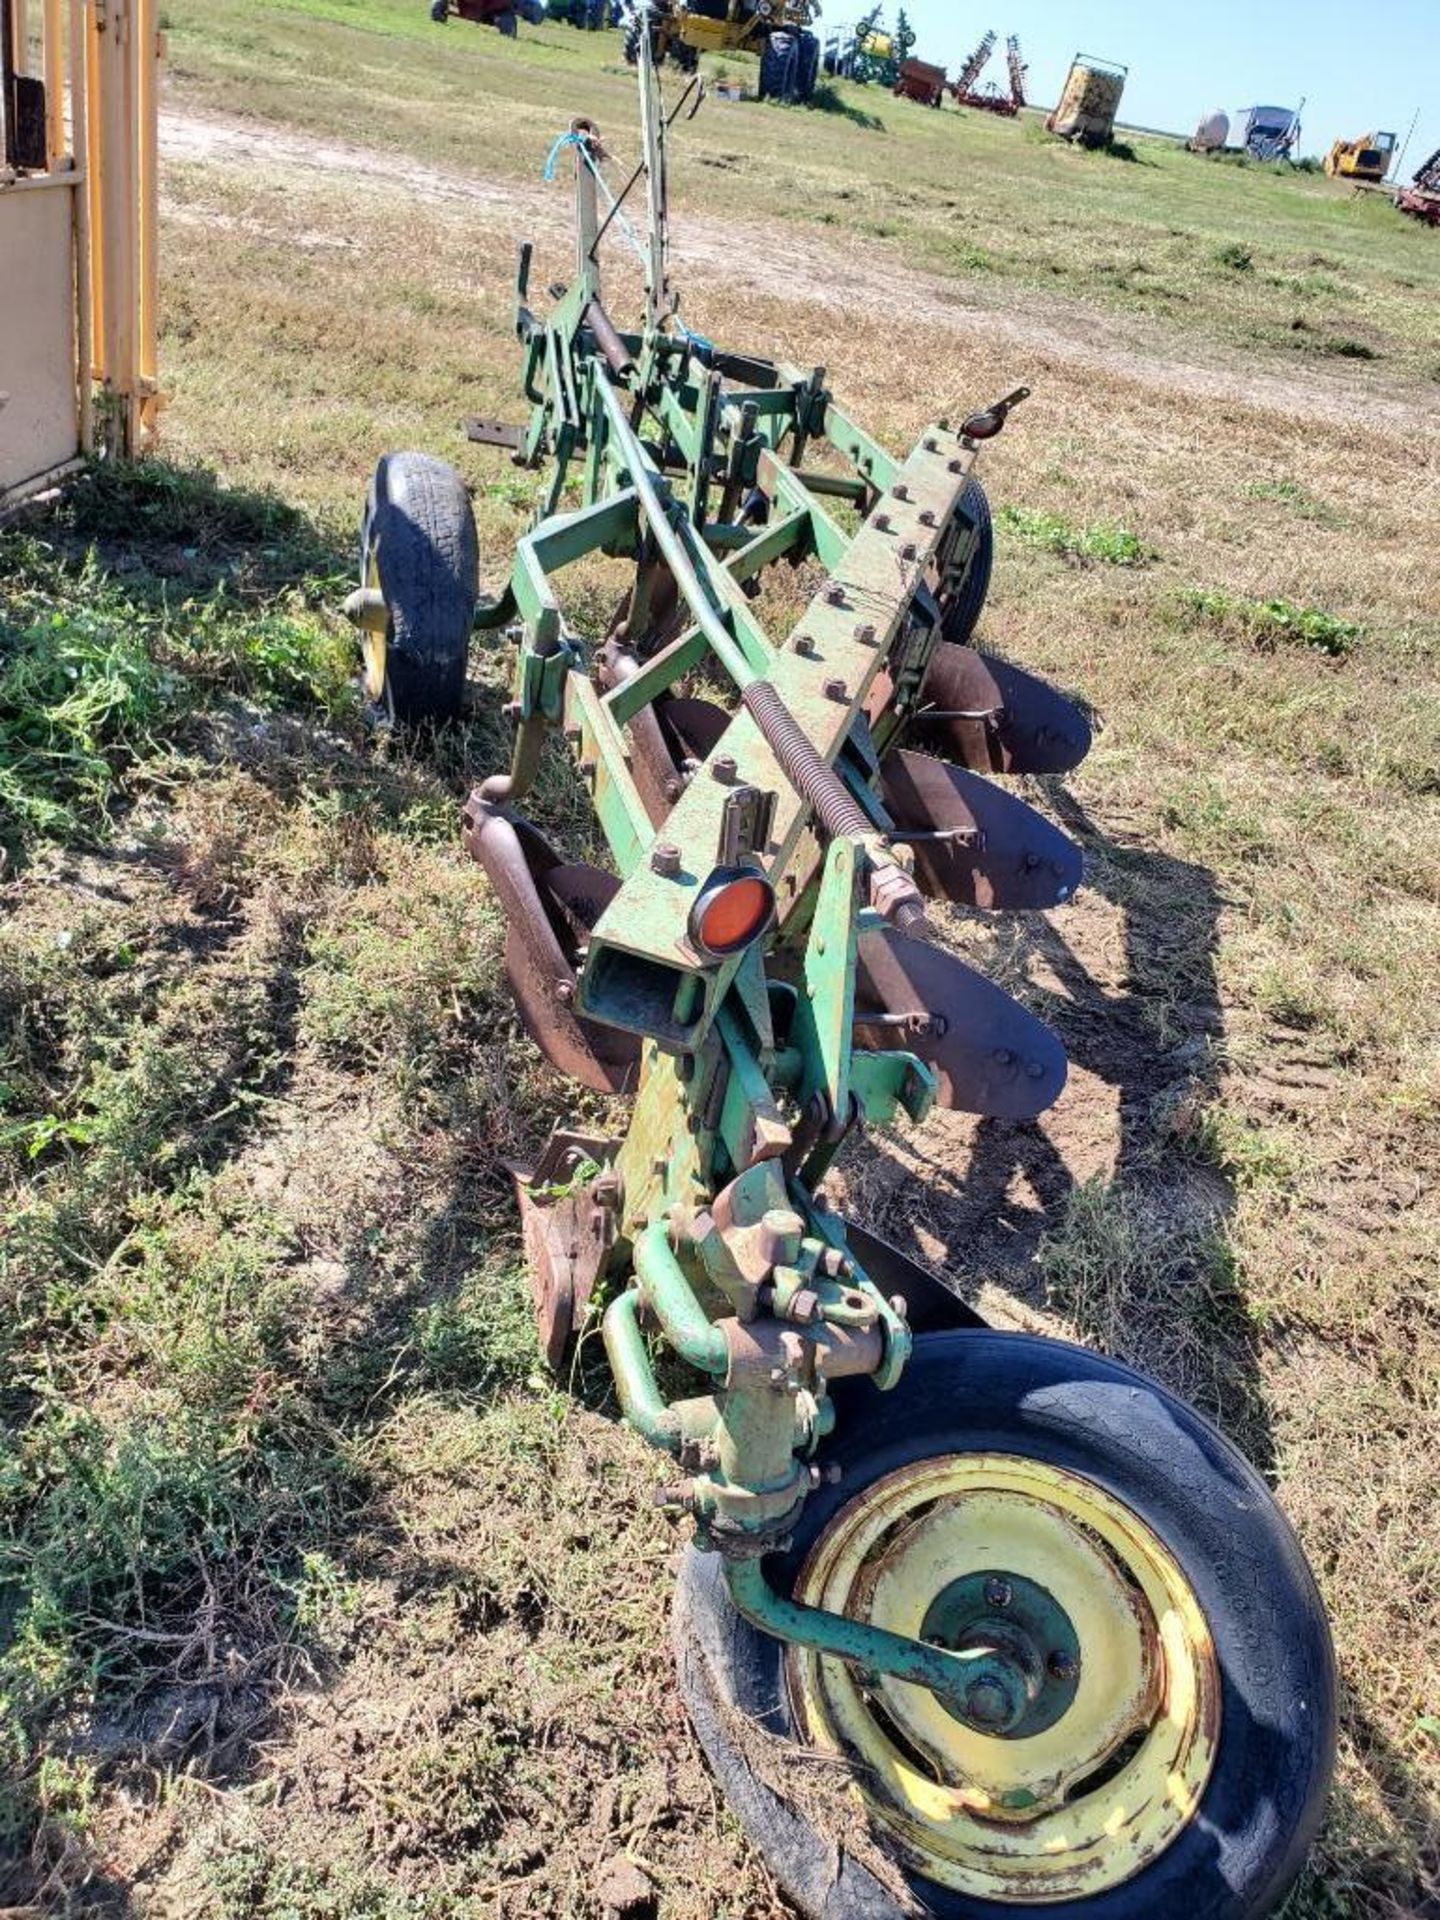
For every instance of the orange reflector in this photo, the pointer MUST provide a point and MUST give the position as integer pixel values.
(735, 906)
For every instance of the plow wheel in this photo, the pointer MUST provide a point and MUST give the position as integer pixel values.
(419, 552)
(1153, 1672)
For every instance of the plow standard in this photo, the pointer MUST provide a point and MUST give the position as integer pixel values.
(1046, 1624)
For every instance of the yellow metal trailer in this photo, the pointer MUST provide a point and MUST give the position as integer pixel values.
(78, 201)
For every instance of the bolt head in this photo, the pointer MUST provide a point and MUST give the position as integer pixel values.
(909, 551)
(927, 518)
(804, 646)
(986, 1703)
(1062, 1665)
(998, 1593)
(902, 491)
(836, 690)
(665, 860)
(865, 633)
(724, 767)
(882, 523)
(834, 594)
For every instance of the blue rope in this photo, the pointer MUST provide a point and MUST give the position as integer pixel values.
(565, 140)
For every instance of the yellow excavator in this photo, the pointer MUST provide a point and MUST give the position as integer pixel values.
(1365, 159)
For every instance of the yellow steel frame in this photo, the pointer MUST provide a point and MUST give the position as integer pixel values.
(99, 60)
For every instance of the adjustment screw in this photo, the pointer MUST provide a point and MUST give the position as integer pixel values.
(835, 690)
(724, 767)
(804, 646)
(665, 860)
(1063, 1666)
(865, 633)
(998, 1593)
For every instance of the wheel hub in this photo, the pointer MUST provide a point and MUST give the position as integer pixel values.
(1024, 1645)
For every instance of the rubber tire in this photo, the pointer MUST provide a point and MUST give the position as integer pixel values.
(960, 612)
(779, 61)
(419, 520)
(983, 1390)
(807, 71)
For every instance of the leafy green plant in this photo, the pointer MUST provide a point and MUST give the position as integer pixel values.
(1270, 623)
(1108, 545)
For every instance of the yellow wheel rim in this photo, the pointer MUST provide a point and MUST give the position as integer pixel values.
(373, 642)
(1080, 1806)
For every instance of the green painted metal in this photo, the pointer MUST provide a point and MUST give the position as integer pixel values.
(954, 1677)
(704, 469)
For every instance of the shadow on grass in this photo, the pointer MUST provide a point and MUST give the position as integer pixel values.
(1137, 1260)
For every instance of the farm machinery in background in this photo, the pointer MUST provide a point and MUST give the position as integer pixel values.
(1421, 199)
(920, 81)
(1366, 159)
(504, 15)
(1089, 102)
(781, 32)
(1045, 1633)
(989, 99)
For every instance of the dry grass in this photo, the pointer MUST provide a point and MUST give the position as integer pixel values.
(276, 1244)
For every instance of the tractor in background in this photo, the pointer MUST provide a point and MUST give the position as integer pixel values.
(504, 15)
(781, 32)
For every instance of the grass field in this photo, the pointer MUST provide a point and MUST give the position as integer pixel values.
(315, 1597)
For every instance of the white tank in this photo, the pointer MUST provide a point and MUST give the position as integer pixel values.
(1212, 132)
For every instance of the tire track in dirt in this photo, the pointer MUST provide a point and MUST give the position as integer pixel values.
(780, 260)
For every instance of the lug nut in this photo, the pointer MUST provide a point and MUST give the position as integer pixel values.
(998, 1593)
(665, 860)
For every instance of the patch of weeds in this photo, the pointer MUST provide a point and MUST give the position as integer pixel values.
(1267, 624)
(395, 981)
(1253, 1157)
(101, 671)
(1215, 824)
(1148, 1288)
(1107, 545)
(1341, 348)
(1237, 258)
(1290, 493)
(81, 700)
